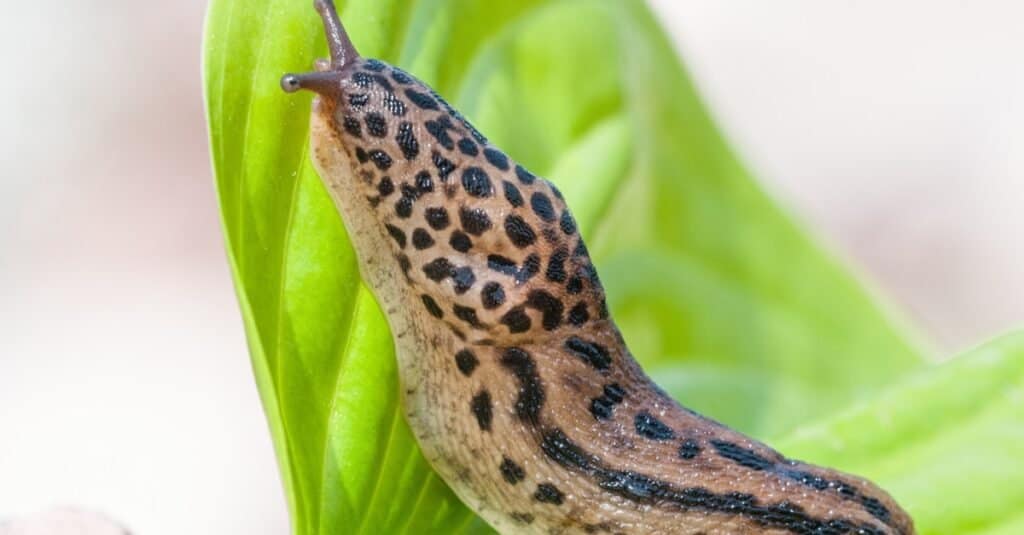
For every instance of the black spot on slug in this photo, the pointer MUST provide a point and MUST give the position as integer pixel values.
(512, 194)
(556, 265)
(502, 264)
(394, 105)
(385, 187)
(548, 493)
(531, 266)
(438, 269)
(424, 183)
(481, 407)
(549, 306)
(421, 239)
(511, 472)
(524, 176)
(602, 406)
(362, 79)
(380, 159)
(689, 449)
(496, 158)
(578, 315)
(352, 126)
(357, 100)
(541, 205)
(474, 220)
(444, 165)
(567, 223)
(614, 392)
(376, 124)
(466, 362)
(400, 76)
(437, 217)
(440, 133)
(460, 241)
(464, 279)
(403, 207)
(467, 147)
(492, 295)
(407, 141)
(476, 182)
(574, 286)
(374, 65)
(516, 320)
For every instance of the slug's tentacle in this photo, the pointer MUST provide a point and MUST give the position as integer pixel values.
(516, 381)
(342, 50)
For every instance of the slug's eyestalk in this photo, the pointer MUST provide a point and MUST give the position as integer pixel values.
(343, 53)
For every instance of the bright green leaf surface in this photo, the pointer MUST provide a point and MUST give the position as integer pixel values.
(947, 443)
(717, 291)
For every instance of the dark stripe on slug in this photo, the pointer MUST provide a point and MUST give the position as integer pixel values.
(422, 100)
(591, 353)
(397, 234)
(432, 306)
(742, 456)
(531, 392)
(647, 490)
(750, 459)
(652, 428)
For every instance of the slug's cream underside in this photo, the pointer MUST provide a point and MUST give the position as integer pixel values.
(517, 383)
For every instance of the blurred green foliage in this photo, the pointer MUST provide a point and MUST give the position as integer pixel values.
(727, 302)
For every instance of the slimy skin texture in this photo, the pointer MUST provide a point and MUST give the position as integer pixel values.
(517, 384)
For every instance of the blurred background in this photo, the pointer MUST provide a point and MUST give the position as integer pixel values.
(893, 129)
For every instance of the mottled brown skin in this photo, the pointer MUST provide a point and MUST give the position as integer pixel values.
(516, 381)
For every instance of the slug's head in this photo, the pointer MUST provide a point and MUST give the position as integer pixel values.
(329, 76)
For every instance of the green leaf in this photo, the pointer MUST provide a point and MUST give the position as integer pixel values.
(701, 267)
(947, 442)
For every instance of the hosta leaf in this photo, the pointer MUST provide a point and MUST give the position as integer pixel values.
(947, 443)
(699, 264)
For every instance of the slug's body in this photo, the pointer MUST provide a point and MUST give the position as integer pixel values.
(517, 383)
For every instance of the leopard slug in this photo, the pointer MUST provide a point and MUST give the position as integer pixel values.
(516, 382)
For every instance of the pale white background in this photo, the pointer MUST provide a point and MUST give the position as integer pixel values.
(893, 128)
